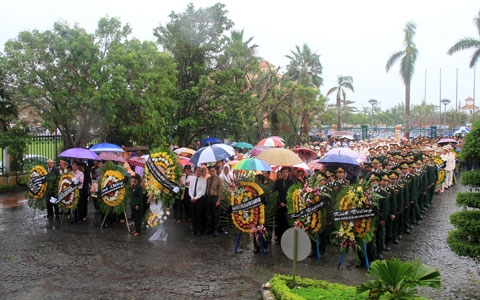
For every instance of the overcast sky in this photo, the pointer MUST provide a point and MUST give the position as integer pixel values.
(352, 37)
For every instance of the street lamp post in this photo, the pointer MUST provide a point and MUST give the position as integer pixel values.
(445, 102)
(373, 102)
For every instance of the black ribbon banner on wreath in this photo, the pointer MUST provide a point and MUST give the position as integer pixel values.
(69, 189)
(35, 184)
(442, 166)
(247, 205)
(160, 177)
(112, 188)
(353, 214)
(308, 211)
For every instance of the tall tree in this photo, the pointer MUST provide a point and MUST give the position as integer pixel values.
(83, 84)
(408, 57)
(305, 67)
(305, 70)
(343, 83)
(469, 43)
(196, 39)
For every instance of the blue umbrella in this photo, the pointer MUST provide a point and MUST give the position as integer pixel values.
(210, 141)
(106, 147)
(253, 164)
(212, 153)
(336, 159)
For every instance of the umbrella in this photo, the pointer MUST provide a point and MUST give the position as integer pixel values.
(315, 165)
(271, 142)
(447, 141)
(339, 133)
(279, 157)
(304, 167)
(184, 161)
(184, 151)
(307, 153)
(462, 130)
(111, 156)
(278, 138)
(106, 147)
(342, 150)
(136, 161)
(80, 153)
(212, 153)
(210, 141)
(243, 145)
(333, 160)
(253, 164)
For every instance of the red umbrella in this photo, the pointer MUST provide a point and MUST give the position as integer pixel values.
(315, 165)
(111, 156)
(136, 161)
(305, 153)
(271, 142)
(184, 161)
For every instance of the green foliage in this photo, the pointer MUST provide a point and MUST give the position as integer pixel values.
(470, 146)
(84, 84)
(467, 199)
(464, 244)
(305, 288)
(468, 221)
(467, 43)
(16, 139)
(395, 279)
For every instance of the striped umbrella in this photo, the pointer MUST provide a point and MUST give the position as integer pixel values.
(111, 156)
(253, 164)
(271, 142)
(212, 153)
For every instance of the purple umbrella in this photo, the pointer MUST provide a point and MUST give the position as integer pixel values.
(338, 160)
(446, 141)
(80, 153)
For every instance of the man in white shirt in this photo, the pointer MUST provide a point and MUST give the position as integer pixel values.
(197, 192)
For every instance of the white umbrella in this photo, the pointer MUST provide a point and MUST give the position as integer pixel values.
(212, 153)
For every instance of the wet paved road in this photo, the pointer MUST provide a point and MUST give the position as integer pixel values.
(40, 259)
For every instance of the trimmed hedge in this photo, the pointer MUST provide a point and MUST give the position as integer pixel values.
(462, 245)
(468, 221)
(471, 178)
(467, 199)
(306, 288)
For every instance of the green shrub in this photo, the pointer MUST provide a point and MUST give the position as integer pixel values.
(467, 199)
(305, 288)
(471, 178)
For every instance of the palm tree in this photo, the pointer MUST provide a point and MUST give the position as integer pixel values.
(467, 43)
(305, 67)
(408, 57)
(343, 82)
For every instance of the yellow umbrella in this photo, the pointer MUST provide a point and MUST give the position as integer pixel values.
(279, 157)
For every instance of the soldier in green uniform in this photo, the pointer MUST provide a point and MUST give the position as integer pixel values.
(382, 216)
(392, 192)
(407, 178)
(432, 175)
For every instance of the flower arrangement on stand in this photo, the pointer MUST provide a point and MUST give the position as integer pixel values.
(356, 218)
(68, 193)
(160, 177)
(113, 188)
(37, 187)
(247, 209)
(258, 232)
(442, 173)
(305, 206)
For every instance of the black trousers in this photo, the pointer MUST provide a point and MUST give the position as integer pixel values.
(282, 222)
(83, 204)
(198, 215)
(213, 214)
(51, 208)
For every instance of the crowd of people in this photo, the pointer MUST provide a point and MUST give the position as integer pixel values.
(404, 174)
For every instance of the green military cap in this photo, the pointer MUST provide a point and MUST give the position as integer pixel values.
(393, 175)
(375, 161)
(374, 177)
(404, 165)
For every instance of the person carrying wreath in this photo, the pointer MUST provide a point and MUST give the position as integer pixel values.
(136, 204)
